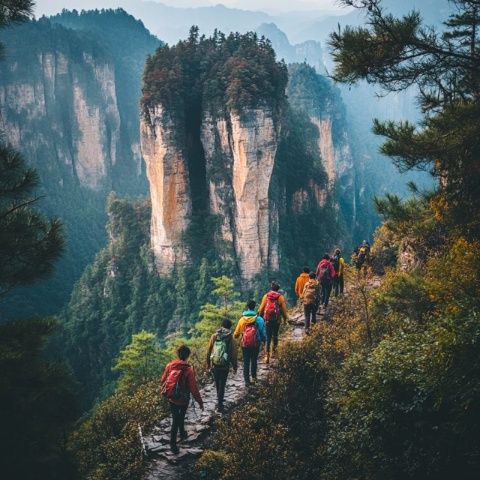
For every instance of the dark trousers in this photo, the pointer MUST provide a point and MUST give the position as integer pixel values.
(250, 359)
(272, 327)
(310, 314)
(178, 421)
(220, 376)
(326, 291)
(338, 285)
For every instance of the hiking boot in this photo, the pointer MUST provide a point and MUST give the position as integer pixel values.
(220, 407)
(254, 379)
(183, 436)
(267, 358)
(274, 353)
(174, 449)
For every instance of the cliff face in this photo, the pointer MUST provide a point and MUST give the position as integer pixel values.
(84, 150)
(239, 153)
(63, 105)
(167, 172)
(246, 146)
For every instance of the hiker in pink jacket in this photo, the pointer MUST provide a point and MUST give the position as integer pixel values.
(325, 275)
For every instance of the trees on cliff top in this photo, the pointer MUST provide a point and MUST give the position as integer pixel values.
(235, 71)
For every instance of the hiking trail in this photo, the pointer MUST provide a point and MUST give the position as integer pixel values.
(162, 463)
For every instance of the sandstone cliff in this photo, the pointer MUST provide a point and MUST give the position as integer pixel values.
(167, 172)
(63, 106)
(246, 145)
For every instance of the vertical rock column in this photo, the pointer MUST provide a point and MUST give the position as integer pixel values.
(254, 145)
(240, 154)
(167, 173)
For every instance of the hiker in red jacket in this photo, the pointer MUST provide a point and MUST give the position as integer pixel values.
(325, 275)
(273, 308)
(178, 382)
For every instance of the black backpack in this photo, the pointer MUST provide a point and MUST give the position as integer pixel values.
(336, 263)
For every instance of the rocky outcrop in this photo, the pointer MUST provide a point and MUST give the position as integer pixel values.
(167, 173)
(240, 154)
(79, 105)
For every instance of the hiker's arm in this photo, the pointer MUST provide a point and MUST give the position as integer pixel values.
(283, 306)
(261, 310)
(342, 267)
(192, 386)
(238, 329)
(233, 355)
(209, 351)
(262, 332)
(297, 288)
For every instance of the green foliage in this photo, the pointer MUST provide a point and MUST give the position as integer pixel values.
(396, 53)
(107, 444)
(37, 404)
(385, 390)
(29, 242)
(139, 362)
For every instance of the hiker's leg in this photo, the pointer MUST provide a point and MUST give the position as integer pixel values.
(322, 297)
(174, 409)
(275, 328)
(246, 364)
(328, 291)
(222, 381)
(336, 286)
(313, 313)
(306, 310)
(342, 285)
(182, 411)
(269, 336)
(254, 359)
(216, 378)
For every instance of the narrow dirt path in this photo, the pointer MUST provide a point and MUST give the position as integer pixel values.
(165, 465)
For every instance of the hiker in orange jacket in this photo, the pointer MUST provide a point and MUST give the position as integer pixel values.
(178, 382)
(302, 279)
(273, 308)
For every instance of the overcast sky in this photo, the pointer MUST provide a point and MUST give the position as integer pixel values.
(48, 7)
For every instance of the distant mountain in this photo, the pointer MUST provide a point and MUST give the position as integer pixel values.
(309, 51)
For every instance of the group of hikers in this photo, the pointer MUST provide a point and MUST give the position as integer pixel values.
(254, 329)
(313, 288)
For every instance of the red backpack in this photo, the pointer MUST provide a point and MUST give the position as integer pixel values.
(249, 337)
(175, 387)
(272, 308)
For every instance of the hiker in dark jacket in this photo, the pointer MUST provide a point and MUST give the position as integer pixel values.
(310, 299)
(273, 308)
(222, 354)
(178, 382)
(251, 328)
(325, 275)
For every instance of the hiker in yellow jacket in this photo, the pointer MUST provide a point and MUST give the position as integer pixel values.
(339, 279)
(273, 308)
(302, 279)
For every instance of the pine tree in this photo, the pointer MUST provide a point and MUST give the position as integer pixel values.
(29, 243)
(140, 362)
(396, 53)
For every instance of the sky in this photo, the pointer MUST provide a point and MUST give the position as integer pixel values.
(48, 7)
